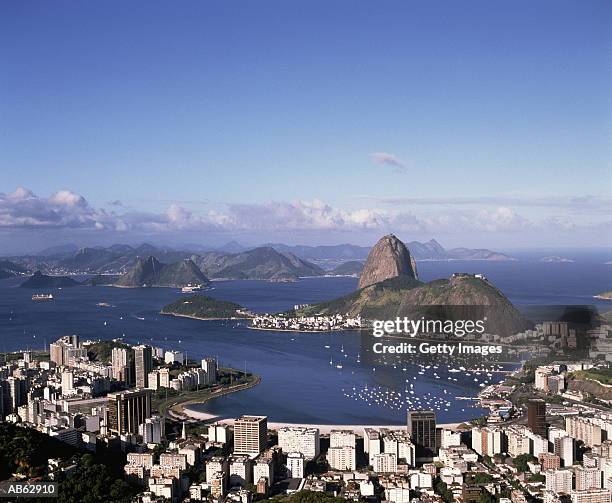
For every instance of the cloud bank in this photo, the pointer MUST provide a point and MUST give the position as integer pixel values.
(25, 211)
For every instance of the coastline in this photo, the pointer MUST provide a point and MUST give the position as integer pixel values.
(179, 410)
(602, 297)
(324, 429)
(301, 331)
(191, 317)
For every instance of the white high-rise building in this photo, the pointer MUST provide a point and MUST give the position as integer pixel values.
(295, 465)
(384, 463)
(518, 442)
(152, 430)
(174, 357)
(565, 448)
(299, 439)
(559, 481)
(372, 443)
(342, 438)
(587, 478)
(585, 429)
(219, 433)
(450, 438)
(215, 465)
(342, 458)
(487, 441)
(591, 496)
(264, 468)
(250, 435)
(67, 383)
(341, 454)
(240, 471)
(209, 365)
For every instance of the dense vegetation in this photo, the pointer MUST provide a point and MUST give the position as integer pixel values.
(520, 462)
(25, 451)
(40, 280)
(94, 482)
(604, 376)
(202, 306)
(307, 497)
(96, 477)
(102, 350)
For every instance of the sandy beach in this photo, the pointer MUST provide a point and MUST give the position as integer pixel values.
(324, 429)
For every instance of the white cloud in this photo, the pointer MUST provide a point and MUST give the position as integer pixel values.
(22, 209)
(387, 159)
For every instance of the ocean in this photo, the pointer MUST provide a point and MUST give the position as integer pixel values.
(300, 379)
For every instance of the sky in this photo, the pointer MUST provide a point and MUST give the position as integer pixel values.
(475, 123)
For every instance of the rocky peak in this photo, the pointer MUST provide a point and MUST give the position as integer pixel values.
(388, 258)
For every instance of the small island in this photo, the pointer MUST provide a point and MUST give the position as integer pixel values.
(556, 260)
(604, 295)
(40, 280)
(202, 307)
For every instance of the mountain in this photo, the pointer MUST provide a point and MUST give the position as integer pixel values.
(204, 307)
(150, 272)
(40, 280)
(461, 297)
(58, 250)
(389, 288)
(90, 259)
(351, 268)
(476, 254)
(555, 259)
(387, 259)
(116, 258)
(232, 247)
(263, 263)
(324, 252)
(430, 250)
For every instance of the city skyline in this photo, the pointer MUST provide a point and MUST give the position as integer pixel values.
(332, 124)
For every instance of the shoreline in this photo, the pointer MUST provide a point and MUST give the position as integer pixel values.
(324, 429)
(191, 317)
(301, 331)
(180, 409)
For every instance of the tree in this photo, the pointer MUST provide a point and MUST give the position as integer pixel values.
(520, 462)
(486, 497)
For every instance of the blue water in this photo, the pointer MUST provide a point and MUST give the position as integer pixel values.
(298, 382)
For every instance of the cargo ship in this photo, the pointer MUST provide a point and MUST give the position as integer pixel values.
(42, 296)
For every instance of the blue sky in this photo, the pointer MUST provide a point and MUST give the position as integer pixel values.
(476, 123)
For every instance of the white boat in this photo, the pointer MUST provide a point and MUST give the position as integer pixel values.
(42, 296)
(191, 288)
(339, 366)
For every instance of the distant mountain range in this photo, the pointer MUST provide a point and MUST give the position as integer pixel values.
(274, 262)
(430, 250)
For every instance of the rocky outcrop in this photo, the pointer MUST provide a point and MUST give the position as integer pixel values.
(151, 272)
(461, 297)
(40, 280)
(388, 259)
(263, 263)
